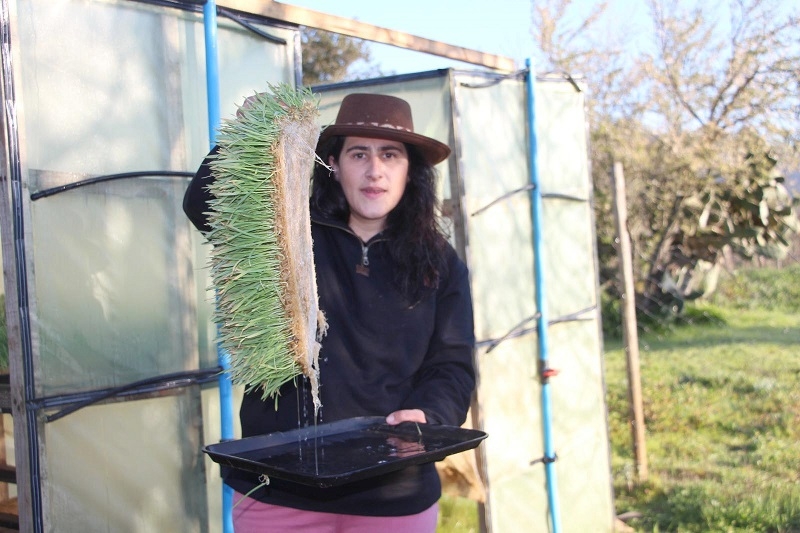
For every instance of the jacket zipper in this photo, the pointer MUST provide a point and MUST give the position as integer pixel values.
(364, 257)
(363, 266)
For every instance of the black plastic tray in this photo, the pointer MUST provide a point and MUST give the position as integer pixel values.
(335, 453)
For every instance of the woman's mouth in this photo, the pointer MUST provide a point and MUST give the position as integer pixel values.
(372, 191)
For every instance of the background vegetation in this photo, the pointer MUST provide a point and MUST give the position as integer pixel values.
(701, 108)
(331, 58)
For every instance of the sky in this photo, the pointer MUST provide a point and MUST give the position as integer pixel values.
(499, 27)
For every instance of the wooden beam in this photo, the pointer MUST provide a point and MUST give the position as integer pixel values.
(361, 30)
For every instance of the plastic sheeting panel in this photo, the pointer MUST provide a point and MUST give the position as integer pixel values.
(114, 285)
(491, 126)
(128, 467)
(117, 277)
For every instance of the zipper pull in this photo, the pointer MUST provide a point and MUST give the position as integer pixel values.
(363, 267)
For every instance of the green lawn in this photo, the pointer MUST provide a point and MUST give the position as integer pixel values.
(457, 515)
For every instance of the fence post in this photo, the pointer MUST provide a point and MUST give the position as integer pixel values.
(629, 328)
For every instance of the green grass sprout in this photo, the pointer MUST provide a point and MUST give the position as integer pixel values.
(261, 261)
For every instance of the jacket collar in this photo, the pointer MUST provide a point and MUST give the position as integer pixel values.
(318, 217)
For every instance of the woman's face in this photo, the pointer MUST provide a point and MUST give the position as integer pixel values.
(373, 174)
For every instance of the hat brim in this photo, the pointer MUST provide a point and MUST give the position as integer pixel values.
(432, 150)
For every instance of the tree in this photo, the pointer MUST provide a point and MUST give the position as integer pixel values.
(331, 57)
(695, 113)
(726, 81)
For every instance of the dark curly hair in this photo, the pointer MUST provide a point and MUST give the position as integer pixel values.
(417, 243)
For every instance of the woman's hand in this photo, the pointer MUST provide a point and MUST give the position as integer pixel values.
(406, 415)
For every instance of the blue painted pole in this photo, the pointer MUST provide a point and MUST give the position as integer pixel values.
(212, 68)
(536, 212)
(225, 385)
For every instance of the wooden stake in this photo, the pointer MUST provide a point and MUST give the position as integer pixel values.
(629, 328)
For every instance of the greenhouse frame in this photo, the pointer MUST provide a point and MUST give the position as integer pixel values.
(113, 380)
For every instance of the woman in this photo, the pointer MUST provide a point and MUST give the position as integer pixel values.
(400, 333)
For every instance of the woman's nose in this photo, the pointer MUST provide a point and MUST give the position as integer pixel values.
(374, 168)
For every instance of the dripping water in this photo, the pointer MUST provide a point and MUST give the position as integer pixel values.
(304, 410)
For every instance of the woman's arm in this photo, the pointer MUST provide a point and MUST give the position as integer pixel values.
(197, 195)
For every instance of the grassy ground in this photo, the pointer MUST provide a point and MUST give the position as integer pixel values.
(457, 515)
(722, 413)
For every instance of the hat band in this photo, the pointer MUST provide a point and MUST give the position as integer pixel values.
(377, 125)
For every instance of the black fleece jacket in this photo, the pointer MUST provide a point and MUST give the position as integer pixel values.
(380, 354)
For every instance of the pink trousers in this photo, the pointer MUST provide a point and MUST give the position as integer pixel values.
(253, 516)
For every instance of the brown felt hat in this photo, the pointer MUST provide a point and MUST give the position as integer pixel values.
(381, 116)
